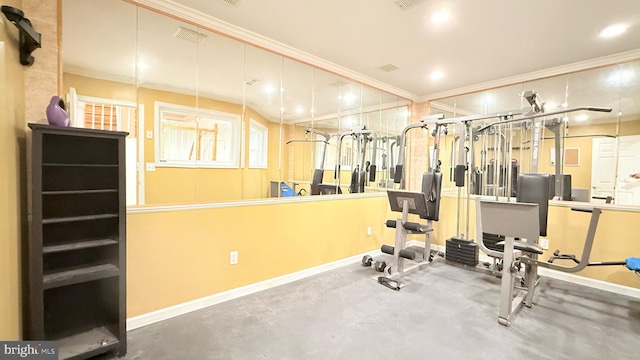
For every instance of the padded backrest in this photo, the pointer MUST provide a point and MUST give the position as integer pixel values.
(566, 187)
(534, 189)
(431, 185)
(361, 181)
(318, 174)
(353, 186)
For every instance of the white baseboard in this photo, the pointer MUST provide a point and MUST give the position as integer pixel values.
(184, 308)
(575, 279)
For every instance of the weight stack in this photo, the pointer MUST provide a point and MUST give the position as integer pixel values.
(462, 251)
(490, 241)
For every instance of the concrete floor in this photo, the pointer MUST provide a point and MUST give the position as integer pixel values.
(444, 312)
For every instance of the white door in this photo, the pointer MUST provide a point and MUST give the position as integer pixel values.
(603, 167)
(76, 109)
(628, 188)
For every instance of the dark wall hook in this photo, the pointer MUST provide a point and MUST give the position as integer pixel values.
(29, 39)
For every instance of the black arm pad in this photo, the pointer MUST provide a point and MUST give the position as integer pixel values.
(582, 210)
(397, 177)
(391, 224)
(372, 173)
(459, 175)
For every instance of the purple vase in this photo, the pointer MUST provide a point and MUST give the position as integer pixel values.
(56, 112)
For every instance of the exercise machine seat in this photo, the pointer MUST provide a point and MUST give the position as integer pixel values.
(414, 227)
(523, 246)
(633, 264)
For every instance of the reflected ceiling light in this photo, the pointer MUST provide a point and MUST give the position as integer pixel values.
(281, 109)
(440, 17)
(565, 105)
(613, 31)
(348, 98)
(269, 89)
(582, 117)
(619, 113)
(299, 110)
(436, 75)
(621, 77)
(142, 66)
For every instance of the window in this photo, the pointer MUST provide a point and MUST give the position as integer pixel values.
(196, 138)
(258, 144)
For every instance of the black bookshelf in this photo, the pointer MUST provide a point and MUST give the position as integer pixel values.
(76, 268)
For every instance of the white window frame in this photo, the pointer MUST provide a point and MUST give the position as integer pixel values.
(160, 107)
(263, 161)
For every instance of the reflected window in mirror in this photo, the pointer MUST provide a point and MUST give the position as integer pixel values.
(210, 138)
(258, 145)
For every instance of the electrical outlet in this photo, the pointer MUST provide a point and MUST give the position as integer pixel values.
(151, 167)
(149, 134)
(369, 231)
(544, 243)
(233, 257)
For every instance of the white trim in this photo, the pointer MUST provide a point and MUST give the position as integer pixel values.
(198, 304)
(447, 193)
(259, 202)
(93, 99)
(574, 279)
(535, 75)
(236, 32)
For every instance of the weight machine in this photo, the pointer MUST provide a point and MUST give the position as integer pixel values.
(527, 219)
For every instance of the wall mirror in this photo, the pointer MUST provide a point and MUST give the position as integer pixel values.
(213, 119)
(598, 151)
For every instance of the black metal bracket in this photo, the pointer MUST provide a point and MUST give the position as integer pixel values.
(29, 39)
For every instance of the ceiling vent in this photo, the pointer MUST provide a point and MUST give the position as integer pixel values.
(339, 83)
(229, 2)
(252, 81)
(406, 4)
(389, 67)
(189, 35)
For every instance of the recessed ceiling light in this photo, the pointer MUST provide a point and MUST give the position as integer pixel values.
(582, 117)
(299, 109)
(439, 17)
(436, 75)
(613, 30)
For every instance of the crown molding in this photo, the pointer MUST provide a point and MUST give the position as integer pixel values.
(201, 19)
(535, 75)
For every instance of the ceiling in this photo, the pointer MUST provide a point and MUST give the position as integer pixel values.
(482, 41)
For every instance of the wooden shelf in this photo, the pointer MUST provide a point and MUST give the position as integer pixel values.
(77, 245)
(78, 275)
(76, 265)
(87, 344)
(78, 218)
(79, 165)
(79, 192)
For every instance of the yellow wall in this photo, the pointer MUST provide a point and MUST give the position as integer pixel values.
(12, 146)
(178, 256)
(566, 231)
